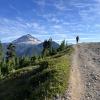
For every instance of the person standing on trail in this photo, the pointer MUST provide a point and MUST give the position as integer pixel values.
(77, 39)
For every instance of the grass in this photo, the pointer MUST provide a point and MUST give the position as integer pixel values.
(49, 77)
(57, 75)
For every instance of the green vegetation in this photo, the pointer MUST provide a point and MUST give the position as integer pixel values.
(10, 57)
(1, 55)
(47, 48)
(37, 78)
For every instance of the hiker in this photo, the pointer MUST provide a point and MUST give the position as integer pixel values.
(77, 39)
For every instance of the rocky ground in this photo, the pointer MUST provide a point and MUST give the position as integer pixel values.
(89, 55)
(84, 81)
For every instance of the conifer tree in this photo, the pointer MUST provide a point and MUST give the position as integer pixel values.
(50, 46)
(17, 62)
(33, 59)
(10, 57)
(62, 46)
(47, 47)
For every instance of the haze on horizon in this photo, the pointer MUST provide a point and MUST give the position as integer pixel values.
(59, 19)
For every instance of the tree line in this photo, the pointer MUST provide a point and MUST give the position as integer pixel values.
(9, 62)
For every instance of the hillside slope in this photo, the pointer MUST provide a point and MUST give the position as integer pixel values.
(43, 81)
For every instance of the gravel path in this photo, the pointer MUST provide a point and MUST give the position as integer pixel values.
(89, 55)
(84, 81)
(76, 86)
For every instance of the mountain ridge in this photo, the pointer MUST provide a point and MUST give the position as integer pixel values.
(28, 45)
(26, 39)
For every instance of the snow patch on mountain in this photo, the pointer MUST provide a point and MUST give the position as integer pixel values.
(27, 39)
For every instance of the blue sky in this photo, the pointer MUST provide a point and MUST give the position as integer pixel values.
(59, 19)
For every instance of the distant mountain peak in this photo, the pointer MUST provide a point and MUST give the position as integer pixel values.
(27, 39)
(28, 36)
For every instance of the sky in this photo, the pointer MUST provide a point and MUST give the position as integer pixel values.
(58, 19)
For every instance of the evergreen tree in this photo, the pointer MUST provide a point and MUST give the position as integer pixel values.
(62, 46)
(24, 62)
(4, 68)
(16, 62)
(10, 57)
(47, 47)
(54, 51)
(50, 46)
(21, 62)
(32, 60)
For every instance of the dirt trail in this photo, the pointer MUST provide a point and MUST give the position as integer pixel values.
(85, 73)
(76, 82)
(76, 88)
(84, 81)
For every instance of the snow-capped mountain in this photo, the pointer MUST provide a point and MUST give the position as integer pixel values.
(26, 39)
(28, 45)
